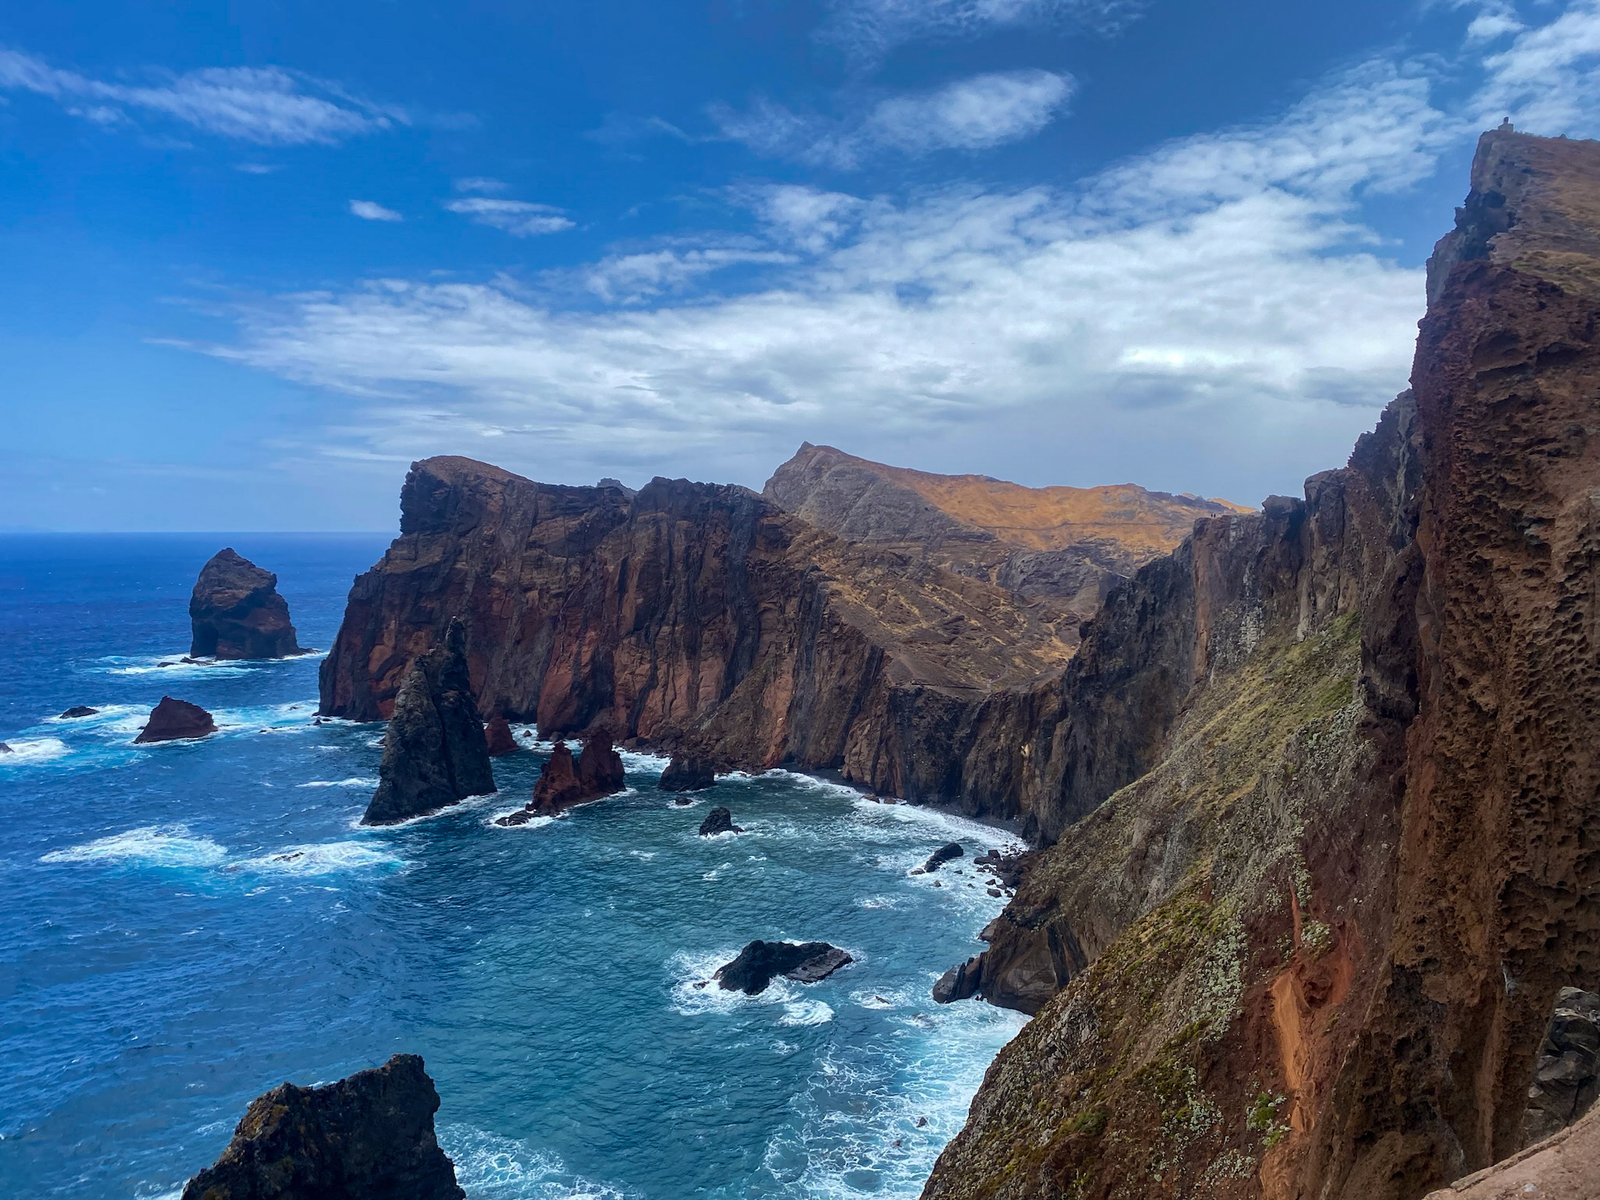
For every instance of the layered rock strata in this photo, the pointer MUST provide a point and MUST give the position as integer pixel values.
(367, 1137)
(236, 613)
(1310, 947)
(434, 752)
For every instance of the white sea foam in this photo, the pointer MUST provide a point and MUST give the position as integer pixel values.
(695, 993)
(27, 751)
(530, 823)
(956, 828)
(805, 1012)
(492, 1167)
(644, 762)
(152, 845)
(357, 781)
(881, 902)
(324, 859)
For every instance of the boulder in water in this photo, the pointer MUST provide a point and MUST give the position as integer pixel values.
(759, 963)
(945, 853)
(688, 774)
(5, 749)
(78, 710)
(718, 820)
(498, 737)
(367, 1137)
(434, 754)
(176, 720)
(235, 611)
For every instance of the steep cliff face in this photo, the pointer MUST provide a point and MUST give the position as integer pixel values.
(697, 617)
(1061, 547)
(1312, 949)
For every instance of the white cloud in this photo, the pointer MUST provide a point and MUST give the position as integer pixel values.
(369, 210)
(1547, 80)
(633, 278)
(482, 184)
(868, 29)
(520, 218)
(267, 105)
(976, 113)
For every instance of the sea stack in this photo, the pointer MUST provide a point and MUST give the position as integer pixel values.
(367, 1137)
(566, 781)
(434, 753)
(759, 963)
(175, 720)
(497, 736)
(235, 611)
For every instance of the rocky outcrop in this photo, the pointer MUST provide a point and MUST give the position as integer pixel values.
(1565, 1166)
(759, 963)
(5, 749)
(1566, 1075)
(367, 1137)
(703, 620)
(498, 738)
(1322, 865)
(684, 774)
(718, 820)
(77, 711)
(1063, 548)
(566, 781)
(434, 753)
(948, 852)
(236, 612)
(176, 720)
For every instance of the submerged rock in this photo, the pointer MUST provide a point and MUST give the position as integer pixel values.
(176, 720)
(434, 754)
(566, 781)
(718, 820)
(367, 1137)
(235, 611)
(759, 963)
(498, 738)
(945, 853)
(688, 775)
(78, 710)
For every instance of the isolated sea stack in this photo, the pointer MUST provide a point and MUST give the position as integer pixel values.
(175, 720)
(434, 753)
(367, 1137)
(235, 612)
(566, 781)
(499, 739)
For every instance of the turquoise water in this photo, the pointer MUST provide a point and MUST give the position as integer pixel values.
(189, 924)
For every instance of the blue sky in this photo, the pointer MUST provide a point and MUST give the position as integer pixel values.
(254, 259)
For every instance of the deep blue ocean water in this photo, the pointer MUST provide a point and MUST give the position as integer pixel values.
(189, 924)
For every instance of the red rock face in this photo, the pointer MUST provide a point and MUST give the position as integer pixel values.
(497, 736)
(566, 782)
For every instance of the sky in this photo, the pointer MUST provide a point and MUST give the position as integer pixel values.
(255, 259)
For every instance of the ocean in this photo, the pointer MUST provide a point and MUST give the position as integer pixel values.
(192, 923)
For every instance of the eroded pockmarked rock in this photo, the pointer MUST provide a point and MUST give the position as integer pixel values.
(235, 611)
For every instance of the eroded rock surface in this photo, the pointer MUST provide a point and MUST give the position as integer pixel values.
(236, 613)
(367, 1137)
(434, 753)
(176, 720)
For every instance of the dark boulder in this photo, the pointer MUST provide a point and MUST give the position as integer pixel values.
(434, 754)
(688, 775)
(367, 1137)
(78, 710)
(1566, 1075)
(175, 720)
(759, 963)
(718, 820)
(960, 982)
(5, 749)
(498, 738)
(945, 853)
(235, 611)
(1006, 867)
(566, 781)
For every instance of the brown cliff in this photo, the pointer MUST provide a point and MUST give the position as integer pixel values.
(1311, 948)
(235, 611)
(1064, 548)
(699, 618)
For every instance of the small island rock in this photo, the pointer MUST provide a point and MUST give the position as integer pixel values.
(176, 720)
(944, 854)
(688, 775)
(566, 781)
(498, 737)
(78, 710)
(434, 753)
(367, 1137)
(718, 820)
(235, 612)
(759, 963)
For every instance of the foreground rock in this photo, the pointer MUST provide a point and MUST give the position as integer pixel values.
(434, 754)
(1311, 945)
(1566, 1075)
(565, 781)
(688, 775)
(498, 738)
(77, 711)
(948, 852)
(176, 720)
(1565, 1166)
(718, 820)
(759, 963)
(235, 612)
(367, 1137)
